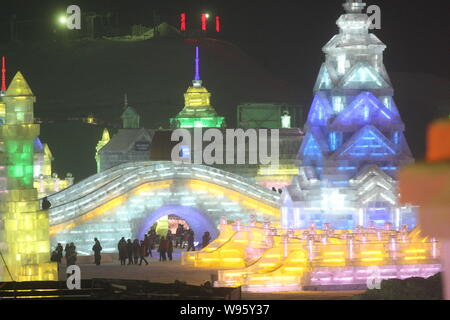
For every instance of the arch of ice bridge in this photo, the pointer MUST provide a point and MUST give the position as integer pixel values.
(120, 201)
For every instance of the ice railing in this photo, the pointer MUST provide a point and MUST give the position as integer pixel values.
(142, 172)
(89, 184)
(236, 246)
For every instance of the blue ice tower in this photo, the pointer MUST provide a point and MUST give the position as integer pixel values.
(354, 138)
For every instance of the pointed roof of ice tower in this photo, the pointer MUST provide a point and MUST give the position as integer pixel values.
(354, 50)
(105, 139)
(197, 96)
(19, 86)
(105, 135)
(353, 111)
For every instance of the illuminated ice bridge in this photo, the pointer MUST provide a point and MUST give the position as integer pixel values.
(126, 200)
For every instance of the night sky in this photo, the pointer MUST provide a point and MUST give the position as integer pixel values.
(284, 35)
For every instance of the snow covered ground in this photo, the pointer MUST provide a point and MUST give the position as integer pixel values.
(169, 271)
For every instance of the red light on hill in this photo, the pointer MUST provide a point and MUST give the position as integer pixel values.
(3, 74)
(183, 22)
(204, 21)
(217, 24)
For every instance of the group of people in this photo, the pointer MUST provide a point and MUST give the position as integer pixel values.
(70, 253)
(135, 252)
(185, 238)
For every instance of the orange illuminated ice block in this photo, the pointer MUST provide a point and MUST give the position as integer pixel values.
(427, 184)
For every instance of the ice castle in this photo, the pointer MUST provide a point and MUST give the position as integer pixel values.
(354, 140)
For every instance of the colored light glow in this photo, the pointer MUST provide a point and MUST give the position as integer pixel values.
(217, 24)
(290, 271)
(286, 121)
(197, 65)
(213, 122)
(62, 20)
(3, 74)
(183, 21)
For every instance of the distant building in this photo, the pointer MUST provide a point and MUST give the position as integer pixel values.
(138, 144)
(269, 115)
(130, 117)
(130, 144)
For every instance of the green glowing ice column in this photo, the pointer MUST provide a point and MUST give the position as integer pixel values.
(24, 233)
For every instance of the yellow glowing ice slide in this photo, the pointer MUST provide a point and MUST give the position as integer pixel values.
(302, 257)
(229, 250)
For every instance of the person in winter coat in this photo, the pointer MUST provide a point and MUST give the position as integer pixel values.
(190, 241)
(179, 235)
(152, 241)
(97, 248)
(136, 251)
(169, 235)
(71, 254)
(163, 246)
(169, 249)
(205, 239)
(147, 245)
(185, 238)
(46, 204)
(66, 253)
(122, 247)
(143, 253)
(130, 252)
(59, 252)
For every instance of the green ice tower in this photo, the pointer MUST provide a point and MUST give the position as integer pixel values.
(24, 228)
(197, 111)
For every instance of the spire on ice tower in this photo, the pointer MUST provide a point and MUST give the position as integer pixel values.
(354, 6)
(197, 82)
(125, 105)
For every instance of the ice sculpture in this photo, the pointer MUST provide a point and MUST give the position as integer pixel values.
(24, 234)
(101, 143)
(263, 257)
(197, 111)
(354, 140)
(126, 200)
(45, 181)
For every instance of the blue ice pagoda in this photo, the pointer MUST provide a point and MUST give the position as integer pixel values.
(354, 140)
